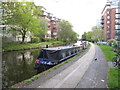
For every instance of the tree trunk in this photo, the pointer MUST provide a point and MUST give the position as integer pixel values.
(23, 38)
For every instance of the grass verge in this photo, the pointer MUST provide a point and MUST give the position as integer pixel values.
(18, 46)
(113, 80)
(45, 72)
(107, 50)
(113, 73)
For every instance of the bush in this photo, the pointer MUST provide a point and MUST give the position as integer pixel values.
(47, 39)
(50, 39)
(35, 40)
(111, 42)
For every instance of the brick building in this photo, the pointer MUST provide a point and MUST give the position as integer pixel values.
(111, 20)
(52, 21)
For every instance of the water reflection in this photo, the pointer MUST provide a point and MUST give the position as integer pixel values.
(18, 66)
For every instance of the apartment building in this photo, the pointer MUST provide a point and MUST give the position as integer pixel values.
(52, 29)
(52, 22)
(111, 20)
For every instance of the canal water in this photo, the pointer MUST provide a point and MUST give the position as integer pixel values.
(18, 66)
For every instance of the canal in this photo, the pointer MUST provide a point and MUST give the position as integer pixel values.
(18, 66)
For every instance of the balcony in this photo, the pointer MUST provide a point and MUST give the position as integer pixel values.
(117, 11)
(117, 23)
(54, 30)
(108, 37)
(102, 26)
(117, 27)
(117, 16)
(117, 32)
(102, 18)
(49, 16)
(117, 38)
(108, 32)
(54, 33)
(42, 15)
(102, 22)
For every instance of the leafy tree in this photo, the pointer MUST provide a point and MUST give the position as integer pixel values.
(20, 18)
(89, 36)
(95, 35)
(84, 36)
(43, 28)
(65, 32)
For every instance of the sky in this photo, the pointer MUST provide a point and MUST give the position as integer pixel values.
(82, 14)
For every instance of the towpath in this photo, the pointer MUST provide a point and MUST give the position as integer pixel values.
(86, 72)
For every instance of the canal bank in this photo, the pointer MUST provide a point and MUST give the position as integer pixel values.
(51, 72)
(17, 65)
(9, 47)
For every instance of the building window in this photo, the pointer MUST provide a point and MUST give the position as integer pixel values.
(108, 22)
(108, 31)
(108, 26)
(108, 17)
(108, 37)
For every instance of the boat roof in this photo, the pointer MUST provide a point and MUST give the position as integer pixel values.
(59, 48)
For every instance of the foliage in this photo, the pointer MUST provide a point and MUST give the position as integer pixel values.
(20, 18)
(111, 42)
(66, 33)
(113, 78)
(107, 50)
(43, 28)
(18, 46)
(35, 40)
(84, 36)
(95, 35)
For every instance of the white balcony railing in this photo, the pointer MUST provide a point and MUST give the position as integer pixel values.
(117, 15)
(117, 10)
(117, 27)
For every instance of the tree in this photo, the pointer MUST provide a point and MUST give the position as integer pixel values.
(20, 18)
(43, 28)
(95, 35)
(84, 36)
(65, 32)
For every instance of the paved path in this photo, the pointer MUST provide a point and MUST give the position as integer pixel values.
(84, 73)
(96, 75)
(70, 77)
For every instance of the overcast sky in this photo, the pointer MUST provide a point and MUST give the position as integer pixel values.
(82, 14)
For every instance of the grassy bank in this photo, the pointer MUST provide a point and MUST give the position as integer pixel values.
(113, 72)
(107, 50)
(18, 46)
(45, 72)
(113, 78)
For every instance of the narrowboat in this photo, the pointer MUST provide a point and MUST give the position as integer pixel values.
(55, 55)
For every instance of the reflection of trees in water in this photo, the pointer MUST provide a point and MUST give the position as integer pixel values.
(26, 56)
(17, 69)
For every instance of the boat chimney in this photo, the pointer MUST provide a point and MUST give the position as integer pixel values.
(46, 46)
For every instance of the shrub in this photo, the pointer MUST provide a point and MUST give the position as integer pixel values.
(111, 42)
(35, 40)
(47, 39)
